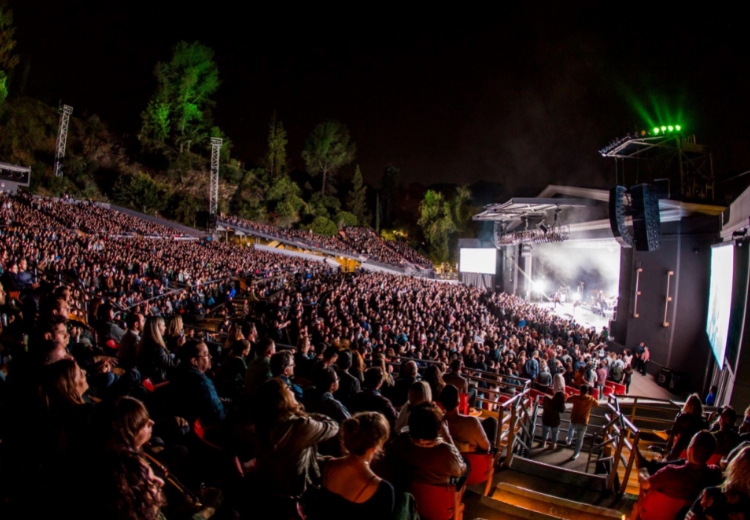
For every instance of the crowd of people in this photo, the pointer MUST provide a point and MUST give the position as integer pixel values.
(331, 394)
(356, 241)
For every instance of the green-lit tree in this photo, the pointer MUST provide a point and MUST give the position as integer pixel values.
(327, 149)
(139, 192)
(179, 110)
(461, 209)
(436, 221)
(356, 200)
(8, 59)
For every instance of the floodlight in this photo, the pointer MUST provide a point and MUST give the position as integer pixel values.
(656, 130)
(663, 128)
(671, 128)
(678, 127)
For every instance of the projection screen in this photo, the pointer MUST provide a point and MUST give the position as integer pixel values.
(478, 260)
(720, 300)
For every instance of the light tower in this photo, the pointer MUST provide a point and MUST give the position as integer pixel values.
(213, 197)
(62, 138)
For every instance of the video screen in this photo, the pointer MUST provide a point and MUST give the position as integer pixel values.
(476, 260)
(720, 300)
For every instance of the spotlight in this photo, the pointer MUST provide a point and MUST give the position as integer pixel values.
(671, 128)
(677, 127)
(656, 130)
(538, 286)
(663, 128)
(576, 296)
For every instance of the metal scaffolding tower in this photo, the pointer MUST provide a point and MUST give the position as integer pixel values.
(62, 138)
(213, 199)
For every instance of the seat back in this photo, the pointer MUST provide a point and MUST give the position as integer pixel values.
(435, 502)
(658, 506)
(463, 403)
(482, 468)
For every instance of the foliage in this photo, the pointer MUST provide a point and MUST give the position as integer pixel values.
(461, 209)
(284, 196)
(323, 226)
(139, 191)
(356, 200)
(323, 205)
(179, 110)
(8, 60)
(436, 220)
(346, 219)
(327, 149)
(275, 160)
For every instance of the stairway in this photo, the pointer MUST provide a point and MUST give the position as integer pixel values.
(520, 502)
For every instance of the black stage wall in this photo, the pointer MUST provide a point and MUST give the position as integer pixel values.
(682, 345)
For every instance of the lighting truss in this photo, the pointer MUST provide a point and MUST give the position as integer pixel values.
(529, 236)
(213, 196)
(62, 138)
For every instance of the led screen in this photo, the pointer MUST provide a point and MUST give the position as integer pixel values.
(720, 300)
(475, 260)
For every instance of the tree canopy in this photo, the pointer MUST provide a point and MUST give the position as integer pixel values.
(179, 111)
(8, 59)
(356, 200)
(327, 149)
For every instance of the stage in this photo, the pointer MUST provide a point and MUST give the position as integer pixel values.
(582, 315)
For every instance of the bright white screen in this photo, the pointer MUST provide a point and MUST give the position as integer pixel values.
(475, 260)
(720, 300)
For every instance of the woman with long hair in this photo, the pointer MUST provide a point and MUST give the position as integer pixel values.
(287, 438)
(419, 392)
(687, 423)
(154, 359)
(553, 406)
(350, 489)
(174, 337)
(358, 366)
(731, 500)
(433, 375)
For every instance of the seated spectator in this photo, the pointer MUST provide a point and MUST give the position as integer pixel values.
(348, 384)
(349, 488)
(469, 434)
(418, 393)
(433, 376)
(421, 455)
(454, 377)
(687, 423)
(370, 399)
(231, 378)
(320, 398)
(727, 437)
(731, 500)
(400, 391)
(287, 437)
(682, 480)
(259, 369)
(193, 394)
(154, 360)
(282, 366)
(107, 327)
(128, 349)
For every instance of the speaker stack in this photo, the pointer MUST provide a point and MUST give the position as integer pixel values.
(646, 219)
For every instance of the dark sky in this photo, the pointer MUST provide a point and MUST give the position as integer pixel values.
(524, 95)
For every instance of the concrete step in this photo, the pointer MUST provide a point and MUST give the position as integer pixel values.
(559, 474)
(525, 503)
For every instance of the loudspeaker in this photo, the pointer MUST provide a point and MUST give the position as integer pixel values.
(646, 218)
(617, 212)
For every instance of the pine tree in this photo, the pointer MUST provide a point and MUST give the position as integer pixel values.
(327, 149)
(356, 201)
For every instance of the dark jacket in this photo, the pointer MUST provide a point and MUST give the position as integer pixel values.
(369, 400)
(194, 397)
(348, 387)
(553, 407)
(325, 404)
(155, 362)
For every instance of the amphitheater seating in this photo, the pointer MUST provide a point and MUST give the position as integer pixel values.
(482, 469)
(437, 502)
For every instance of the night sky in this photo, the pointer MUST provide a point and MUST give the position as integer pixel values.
(524, 95)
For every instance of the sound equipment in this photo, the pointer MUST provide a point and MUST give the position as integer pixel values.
(646, 218)
(617, 213)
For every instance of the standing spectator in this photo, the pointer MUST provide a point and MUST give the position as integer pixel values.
(601, 379)
(644, 360)
(552, 407)
(579, 417)
(711, 397)
(127, 352)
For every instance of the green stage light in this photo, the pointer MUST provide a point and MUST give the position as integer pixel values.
(663, 128)
(678, 127)
(656, 130)
(671, 128)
